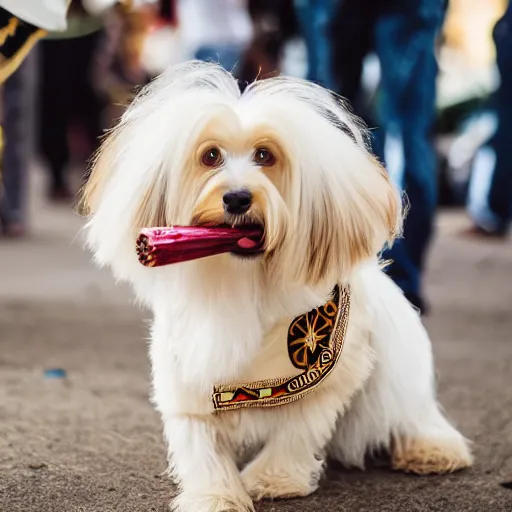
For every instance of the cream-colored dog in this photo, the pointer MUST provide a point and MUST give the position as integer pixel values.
(285, 155)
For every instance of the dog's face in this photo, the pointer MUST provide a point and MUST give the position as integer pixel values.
(238, 175)
(285, 156)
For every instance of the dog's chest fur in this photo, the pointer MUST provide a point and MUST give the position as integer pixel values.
(231, 327)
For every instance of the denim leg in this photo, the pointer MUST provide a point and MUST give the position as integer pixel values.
(500, 194)
(314, 17)
(405, 45)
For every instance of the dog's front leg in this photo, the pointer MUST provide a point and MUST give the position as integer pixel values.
(203, 467)
(292, 460)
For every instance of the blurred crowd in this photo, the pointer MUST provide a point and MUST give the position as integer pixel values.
(443, 135)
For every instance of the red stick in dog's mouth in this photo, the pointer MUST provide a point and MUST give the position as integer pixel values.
(163, 246)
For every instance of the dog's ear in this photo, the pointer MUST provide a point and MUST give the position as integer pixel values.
(350, 220)
(151, 210)
(98, 172)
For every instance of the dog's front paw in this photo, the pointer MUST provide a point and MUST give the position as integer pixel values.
(221, 502)
(272, 482)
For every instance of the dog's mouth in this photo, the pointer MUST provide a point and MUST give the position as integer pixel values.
(253, 244)
(250, 245)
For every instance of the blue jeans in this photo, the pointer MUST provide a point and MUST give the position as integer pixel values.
(493, 212)
(314, 17)
(404, 40)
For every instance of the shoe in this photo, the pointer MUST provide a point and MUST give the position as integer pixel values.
(481, 233)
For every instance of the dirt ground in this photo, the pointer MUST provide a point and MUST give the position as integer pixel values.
(91, 442)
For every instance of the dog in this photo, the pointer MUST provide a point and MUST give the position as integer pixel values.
(285, 155)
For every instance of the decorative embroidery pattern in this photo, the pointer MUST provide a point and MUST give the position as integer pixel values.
(309, 334)
(315, 342)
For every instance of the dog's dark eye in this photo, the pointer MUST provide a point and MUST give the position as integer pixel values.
(212, 157)
(263, 156)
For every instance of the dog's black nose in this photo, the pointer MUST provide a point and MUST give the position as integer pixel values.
(237, 202)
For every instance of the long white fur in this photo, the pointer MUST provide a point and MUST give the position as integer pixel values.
(222, 320)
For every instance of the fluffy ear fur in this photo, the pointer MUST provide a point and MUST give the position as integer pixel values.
(350, 222)
(101, 163)
(152, 204)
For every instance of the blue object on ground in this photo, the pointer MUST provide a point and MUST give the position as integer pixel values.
(55, 373)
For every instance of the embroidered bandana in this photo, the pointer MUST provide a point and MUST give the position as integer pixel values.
(315, 342)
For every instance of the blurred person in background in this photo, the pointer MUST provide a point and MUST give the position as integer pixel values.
(17, 145)
(24, 23)
(72, 113)
(352, 33)
(218, 31)
(274, 24)
(314, 17)
(403, 36)
(127, 43)
(67, 95)
(490, 200)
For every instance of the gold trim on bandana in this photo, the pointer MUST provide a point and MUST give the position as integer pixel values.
(315, 342)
